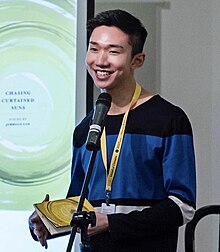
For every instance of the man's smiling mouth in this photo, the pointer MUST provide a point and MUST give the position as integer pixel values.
(103, 73)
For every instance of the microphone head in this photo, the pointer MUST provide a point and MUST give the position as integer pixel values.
(104, 98)
(103, 104)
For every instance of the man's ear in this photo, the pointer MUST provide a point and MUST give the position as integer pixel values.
(138, 60)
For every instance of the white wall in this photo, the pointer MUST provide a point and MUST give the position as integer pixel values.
(188, 60)
(186, 79)
(215, 99)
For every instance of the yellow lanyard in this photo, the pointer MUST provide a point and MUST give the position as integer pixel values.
(118, 144)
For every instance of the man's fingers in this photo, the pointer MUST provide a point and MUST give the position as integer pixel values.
(38, 227)
(46, 245)
(34, 218)
(43, 242)
(42, 236)
(47, 197)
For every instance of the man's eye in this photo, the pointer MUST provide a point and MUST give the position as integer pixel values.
(93, 49)
(114, 52)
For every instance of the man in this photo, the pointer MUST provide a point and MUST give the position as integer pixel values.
(143, 186)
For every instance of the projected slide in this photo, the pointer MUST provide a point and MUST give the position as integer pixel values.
(37, 92)
(37, 81)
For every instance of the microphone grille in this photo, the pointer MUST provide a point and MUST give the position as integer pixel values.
(104, 98)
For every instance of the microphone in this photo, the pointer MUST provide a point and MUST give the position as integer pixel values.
(102, 107)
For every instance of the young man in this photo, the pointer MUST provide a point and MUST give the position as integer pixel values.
(149, 180)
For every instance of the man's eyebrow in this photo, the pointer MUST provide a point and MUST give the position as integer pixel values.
(110, 45)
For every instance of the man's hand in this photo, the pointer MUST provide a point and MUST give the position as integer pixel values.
(101, 225)
(38, 227)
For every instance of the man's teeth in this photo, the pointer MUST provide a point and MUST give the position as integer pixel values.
(103, 73)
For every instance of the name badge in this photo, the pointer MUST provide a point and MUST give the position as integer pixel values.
(108, 209)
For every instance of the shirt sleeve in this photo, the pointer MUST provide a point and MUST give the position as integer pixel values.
(186, 210)
(159, 219)
(178, 162)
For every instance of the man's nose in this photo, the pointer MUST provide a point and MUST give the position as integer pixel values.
(102, 59)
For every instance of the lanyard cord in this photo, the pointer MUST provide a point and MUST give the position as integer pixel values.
(118, 144)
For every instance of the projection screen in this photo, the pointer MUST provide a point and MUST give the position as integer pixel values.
(38, 109)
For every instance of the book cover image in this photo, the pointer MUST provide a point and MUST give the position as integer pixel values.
(57, 214)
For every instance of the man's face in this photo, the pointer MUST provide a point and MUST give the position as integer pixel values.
(109, 57)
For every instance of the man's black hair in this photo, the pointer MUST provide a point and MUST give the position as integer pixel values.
(125, 22)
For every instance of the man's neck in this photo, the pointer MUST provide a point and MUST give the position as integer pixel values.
(121, 99)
